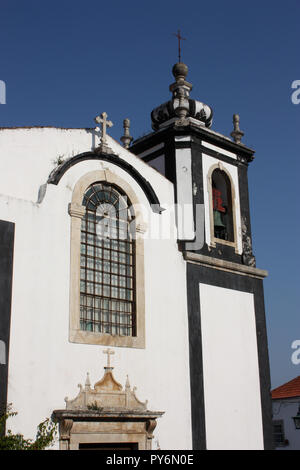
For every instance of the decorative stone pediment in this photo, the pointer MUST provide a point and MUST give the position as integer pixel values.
(107, 394)
(106, 413)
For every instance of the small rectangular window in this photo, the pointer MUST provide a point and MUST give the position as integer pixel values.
(278, 434)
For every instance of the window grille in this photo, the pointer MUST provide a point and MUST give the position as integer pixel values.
(107, 262)
(278, 434)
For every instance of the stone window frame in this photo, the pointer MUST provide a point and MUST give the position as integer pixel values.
(213, 239)
(77, 211)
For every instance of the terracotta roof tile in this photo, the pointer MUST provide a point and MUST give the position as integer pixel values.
(287, 390)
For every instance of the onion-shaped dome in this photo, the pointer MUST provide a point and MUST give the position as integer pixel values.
(181, 106)
(196, 109)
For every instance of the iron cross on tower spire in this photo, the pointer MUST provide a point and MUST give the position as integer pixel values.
(180, 38)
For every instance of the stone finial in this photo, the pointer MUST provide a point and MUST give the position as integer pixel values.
(127, 384)
(126, 138)
(183, 108)
(181, 91)
(236, 134)
(87, 382)
(180, 71)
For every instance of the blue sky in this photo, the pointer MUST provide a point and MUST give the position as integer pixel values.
(64, 62)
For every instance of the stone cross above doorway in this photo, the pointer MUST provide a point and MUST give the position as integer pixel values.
(109, 352)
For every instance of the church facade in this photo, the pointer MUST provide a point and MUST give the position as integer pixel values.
(141, 251)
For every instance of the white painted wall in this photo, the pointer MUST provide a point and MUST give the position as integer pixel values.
(44, 366)
(230, 369)
(184, 188)
(219, 149)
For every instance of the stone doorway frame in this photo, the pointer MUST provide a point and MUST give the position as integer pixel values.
(96, 427)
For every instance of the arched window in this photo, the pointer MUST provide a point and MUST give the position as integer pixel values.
(107, 262)
(223, 224)
(107, 277)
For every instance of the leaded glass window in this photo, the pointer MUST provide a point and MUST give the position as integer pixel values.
(107, 262)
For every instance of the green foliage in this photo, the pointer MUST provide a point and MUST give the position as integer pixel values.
(94, 406)
(46, 433)
(59, 160)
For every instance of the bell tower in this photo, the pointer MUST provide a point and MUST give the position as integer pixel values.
(209, 172)
(229, 366)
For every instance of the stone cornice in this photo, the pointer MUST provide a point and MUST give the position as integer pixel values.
(223, 265)
(202, 132)
(106, 413)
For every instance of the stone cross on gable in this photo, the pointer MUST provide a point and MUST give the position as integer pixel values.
(109, 352)
(102, 119)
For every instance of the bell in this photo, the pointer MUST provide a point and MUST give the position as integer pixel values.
(218, 220)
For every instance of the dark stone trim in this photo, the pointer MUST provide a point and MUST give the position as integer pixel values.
(196, 362)
(153, 155)
(196, 144)
(207, 151)
(183, 145)
(170, 162)
(199, 274)
(147, 142)
(223, 265)
(221, 141)
(197, 132)
(263, 362)
(58, 173)
(248, 256)
(212, 153)
(7, 232)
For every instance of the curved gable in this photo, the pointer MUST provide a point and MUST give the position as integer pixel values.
(56, 175)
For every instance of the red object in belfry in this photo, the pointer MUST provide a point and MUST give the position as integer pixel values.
(217, 201)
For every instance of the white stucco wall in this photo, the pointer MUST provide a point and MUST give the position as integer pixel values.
(44, 366)
(218, 149)
(184, 185)
(233, 416)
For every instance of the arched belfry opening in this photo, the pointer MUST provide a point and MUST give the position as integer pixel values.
(222, 206)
